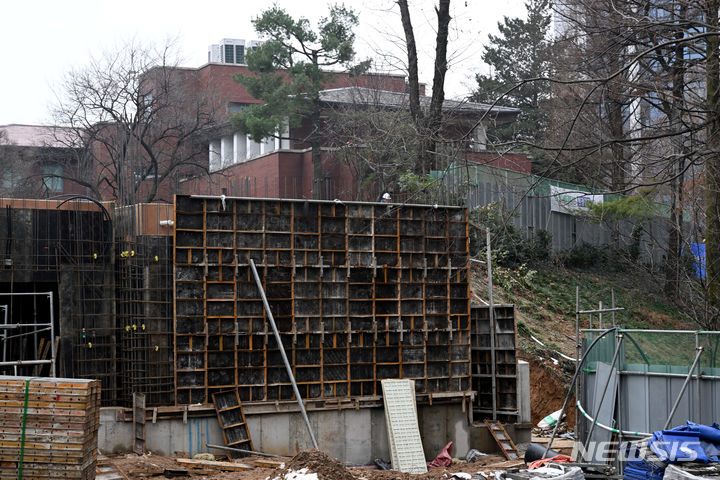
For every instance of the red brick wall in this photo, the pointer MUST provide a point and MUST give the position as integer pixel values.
(289, 175)
(216, 80)
(276, 175)
(512, 161)
(259, 177)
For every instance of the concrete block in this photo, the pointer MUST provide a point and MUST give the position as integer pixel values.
(359, 436)
(114, 436)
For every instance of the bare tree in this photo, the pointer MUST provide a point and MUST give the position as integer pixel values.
(379, 144)
(429, 123)
(141, 121)
(637, 103)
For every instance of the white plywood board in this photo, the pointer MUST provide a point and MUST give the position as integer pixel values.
(402, 425)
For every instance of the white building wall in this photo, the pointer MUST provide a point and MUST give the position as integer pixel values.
(253, 148)
(214, 155)
(268, 145)
(226, 150)
(284, 140)
(239, 147)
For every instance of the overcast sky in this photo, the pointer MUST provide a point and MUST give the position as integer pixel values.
(41, 40)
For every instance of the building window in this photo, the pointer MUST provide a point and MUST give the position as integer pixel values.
(52, 177)
(229, 53)
(236, 107)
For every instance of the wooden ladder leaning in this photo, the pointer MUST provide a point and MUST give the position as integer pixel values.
(232, 421)
(503, 439)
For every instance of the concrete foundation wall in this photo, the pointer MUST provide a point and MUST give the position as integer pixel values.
(356, 436)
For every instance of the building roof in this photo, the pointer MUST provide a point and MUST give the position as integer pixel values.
(37, 136)
(387, 99)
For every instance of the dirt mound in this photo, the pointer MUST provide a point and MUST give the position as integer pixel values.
(315, 461)
(547, 391)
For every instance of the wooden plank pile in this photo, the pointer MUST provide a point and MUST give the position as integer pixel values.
(60, 419)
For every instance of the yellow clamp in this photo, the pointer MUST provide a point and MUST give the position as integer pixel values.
(157, 348)
(142, 326)
(134, 327)
(95, 255)
(89, 344)
(127, 328)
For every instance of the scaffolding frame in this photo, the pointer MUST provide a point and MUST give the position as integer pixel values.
(39, 327)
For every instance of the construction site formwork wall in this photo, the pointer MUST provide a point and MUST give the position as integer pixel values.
(66, 249)
(360, 292)
(144, 305)
(494, 343)
(110, 275)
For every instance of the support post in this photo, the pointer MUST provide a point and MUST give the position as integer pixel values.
(491, 318)
(578, 346)
(684, 386)
(282, 352)
(52, 335)
(604, 391)
(698, 413)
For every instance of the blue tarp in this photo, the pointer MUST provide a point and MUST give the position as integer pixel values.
(687, 443)
(698, 251)
(638, 468)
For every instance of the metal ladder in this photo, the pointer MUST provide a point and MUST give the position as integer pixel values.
(503, 439)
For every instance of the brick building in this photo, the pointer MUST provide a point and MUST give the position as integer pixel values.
(36, 161)
(281, 167)
(223, 160)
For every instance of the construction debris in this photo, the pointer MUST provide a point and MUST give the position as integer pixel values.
(313, 462)
(49, 427)
(225, 466)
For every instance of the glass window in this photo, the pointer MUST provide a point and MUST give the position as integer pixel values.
(52, 179)
(229, 53)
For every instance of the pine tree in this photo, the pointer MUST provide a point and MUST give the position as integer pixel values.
(520, 52)
(287, 74)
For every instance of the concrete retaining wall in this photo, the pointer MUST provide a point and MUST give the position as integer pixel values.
(356, 436)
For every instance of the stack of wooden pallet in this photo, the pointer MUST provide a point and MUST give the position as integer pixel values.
(48, 427)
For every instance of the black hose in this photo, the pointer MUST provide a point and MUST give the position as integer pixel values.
(578, 368)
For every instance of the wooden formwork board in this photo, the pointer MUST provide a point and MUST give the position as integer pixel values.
(359, 292)
(54, 431)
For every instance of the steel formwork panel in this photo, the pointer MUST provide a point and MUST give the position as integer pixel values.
(503, 345)
(360, 292)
